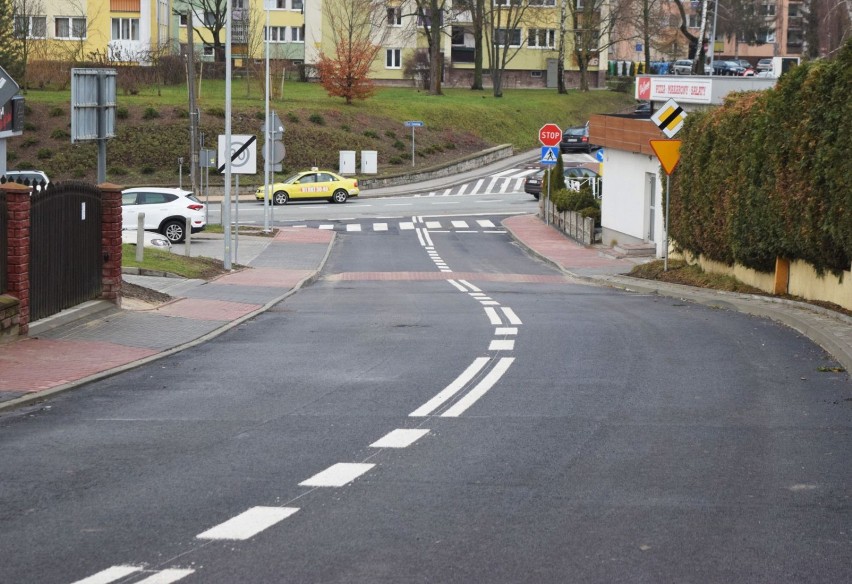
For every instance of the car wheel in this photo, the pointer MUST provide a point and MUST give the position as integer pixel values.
(175, 231)
(280, 198)
(339, 196)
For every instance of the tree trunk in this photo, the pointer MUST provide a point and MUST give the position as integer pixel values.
(560, 64)
(478, 25)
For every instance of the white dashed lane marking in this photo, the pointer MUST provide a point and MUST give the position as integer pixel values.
(109, 575)
(401, 438)
(248, 523)
(166, 576)
(337, 475)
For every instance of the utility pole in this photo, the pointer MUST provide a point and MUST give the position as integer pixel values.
(193, 110)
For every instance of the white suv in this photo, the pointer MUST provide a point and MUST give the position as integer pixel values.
(166, 211)
(35, 178)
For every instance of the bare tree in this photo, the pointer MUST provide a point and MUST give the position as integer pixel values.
(645, 21)
(212, 17)
(30, 24)
(505, 36)
(595, 29)
(431, 16)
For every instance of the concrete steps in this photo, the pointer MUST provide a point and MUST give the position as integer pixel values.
(636, 249)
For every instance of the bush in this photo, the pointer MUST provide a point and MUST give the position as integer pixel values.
(44, 153)
(117, 171)
(371, 134)
(594, 213)
(59, 134)
(147, 169)
(291, 117)
(30, 127)
(345, 128)
(390, 134)
(218, 112)
(395, 160)
(399, 145)
(56, 112)
(150, 113)
(317, 119)
(121, 113)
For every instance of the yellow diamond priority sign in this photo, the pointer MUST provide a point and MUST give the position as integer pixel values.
(668, 153)
(669, 118)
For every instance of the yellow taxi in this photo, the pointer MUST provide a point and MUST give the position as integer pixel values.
(312, 184)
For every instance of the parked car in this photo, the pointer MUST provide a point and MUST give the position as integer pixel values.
(748, 70)
(533, 182)
(149, 239)
(764, 64)
(312, 184)
(35, 178)
(576, 138)
(682, 67)
(166, 211)
(643, 108)
(727, 68)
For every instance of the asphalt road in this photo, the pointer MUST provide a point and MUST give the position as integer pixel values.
(595, 436)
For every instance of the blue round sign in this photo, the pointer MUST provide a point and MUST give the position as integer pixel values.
(599, 155)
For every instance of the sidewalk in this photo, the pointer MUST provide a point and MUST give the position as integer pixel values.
(54, 359)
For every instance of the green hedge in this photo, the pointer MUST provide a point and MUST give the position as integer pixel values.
(769, 174)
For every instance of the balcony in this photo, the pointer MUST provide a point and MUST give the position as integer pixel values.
(124, 5)
(462, 54)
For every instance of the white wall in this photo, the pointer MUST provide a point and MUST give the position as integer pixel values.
(624, 204)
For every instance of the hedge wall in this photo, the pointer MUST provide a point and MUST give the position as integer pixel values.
(769, 174)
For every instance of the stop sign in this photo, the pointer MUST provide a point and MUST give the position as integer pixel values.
(550, 135)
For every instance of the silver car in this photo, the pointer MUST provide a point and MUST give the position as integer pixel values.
(682, 67)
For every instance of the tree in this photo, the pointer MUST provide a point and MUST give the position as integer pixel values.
(358, 33)
(696, 49)
(431, 13)
(30, 23)
(595, 29)
(212, 16)
(647, 21)
(504, 18)
(11, 52)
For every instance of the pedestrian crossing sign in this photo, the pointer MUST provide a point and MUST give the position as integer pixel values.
(549, 155)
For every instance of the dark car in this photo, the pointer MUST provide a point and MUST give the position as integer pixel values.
(643, 108)
(727, 68)
(532, 184)
(576, 139)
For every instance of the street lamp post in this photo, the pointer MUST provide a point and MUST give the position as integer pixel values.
(712, 51)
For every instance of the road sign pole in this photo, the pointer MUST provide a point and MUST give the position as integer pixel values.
(666, 260)
(412, 145)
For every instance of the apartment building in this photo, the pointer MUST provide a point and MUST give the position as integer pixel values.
(121, 30)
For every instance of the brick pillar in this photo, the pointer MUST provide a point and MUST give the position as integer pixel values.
(111, 242)
(18, 249)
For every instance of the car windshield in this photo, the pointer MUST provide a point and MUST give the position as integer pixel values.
(575, 131)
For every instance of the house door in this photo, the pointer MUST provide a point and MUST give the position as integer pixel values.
(552, 74)
(651, 202)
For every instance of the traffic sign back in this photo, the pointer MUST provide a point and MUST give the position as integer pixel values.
(550, 135)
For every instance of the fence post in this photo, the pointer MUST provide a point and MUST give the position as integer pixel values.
(782, 276)
(111, 242)
(18, 207)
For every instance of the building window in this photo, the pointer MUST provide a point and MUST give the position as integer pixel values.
(793, 10)
(766, 36)
(281, 4)
(31, 27)
(297, 5)
(457, 36)
(208, 50)
(277, 34)
(394, 16)
(393, 58)
(297, 34)
(535, 74)
(542, 2)
(183, 20)
(767, 10)
(125, 29)
(513, 36)
(542, 38)
(210, 19)
(67, 27)
(694, 21)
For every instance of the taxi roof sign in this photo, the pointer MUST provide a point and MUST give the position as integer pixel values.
(668, 153)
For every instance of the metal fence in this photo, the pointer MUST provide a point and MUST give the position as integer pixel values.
(66, 255)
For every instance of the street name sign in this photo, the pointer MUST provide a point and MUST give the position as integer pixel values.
(414, 124)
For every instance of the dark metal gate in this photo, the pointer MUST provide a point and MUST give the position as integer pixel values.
(3, 242)
(65, 247)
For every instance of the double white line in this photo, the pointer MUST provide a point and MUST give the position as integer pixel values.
(460, 383)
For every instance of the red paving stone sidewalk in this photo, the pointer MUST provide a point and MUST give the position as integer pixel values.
(548, 242)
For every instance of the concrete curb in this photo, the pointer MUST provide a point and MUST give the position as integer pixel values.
(755, 305)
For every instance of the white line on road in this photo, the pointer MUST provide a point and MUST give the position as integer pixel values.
(463, 188)
(452, 389)
(353, 227)
(406, 225)
(459, 224)
(471, 286)
(502, 345)
(478, 184)
(489, 303)
(337, 475)
(505, 172)
(248, 523)
(493, 317)
(433, 225)
(505, 186)
(326, 226)
(109, 575)
(490, 188)
(167, 576)
(401, 438)
(485, 223)
(420, 237)
(481, 388)
(506, 331)
(457, 286)
(510, 314)
(380, 226)
(446, 193)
